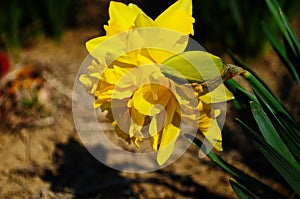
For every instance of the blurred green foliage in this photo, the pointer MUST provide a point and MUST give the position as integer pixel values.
(236, 24)
(220, 24)
(22, 20)
(287, 44)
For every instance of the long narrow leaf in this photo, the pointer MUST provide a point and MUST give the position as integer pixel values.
(266, 95)
(291, 52)
(291, 135)
(235, 88)
(235, 172)
(274, 105)
(270, 133)
(278, 15)
(288, 130)
(291, 32)
(263, 92)
(280, 49)
(279, 162)
(241, 191)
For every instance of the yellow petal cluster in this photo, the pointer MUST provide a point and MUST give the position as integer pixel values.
(128, 84)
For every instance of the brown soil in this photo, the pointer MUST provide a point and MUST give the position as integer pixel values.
(46, 159)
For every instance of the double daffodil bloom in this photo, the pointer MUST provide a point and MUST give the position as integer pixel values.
(126, 79)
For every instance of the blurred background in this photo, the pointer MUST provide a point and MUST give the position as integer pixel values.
(42, 44)
(223, 25)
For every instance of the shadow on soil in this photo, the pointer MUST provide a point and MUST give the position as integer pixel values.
(81, 173)
(78, 172)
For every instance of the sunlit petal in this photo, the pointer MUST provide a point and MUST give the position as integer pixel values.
(169, 135)
(178, 21)
(148, 100)
(178, 17)
(92, 44)
(122, 17)
(214, 136)
(143, 21)
(220, 94)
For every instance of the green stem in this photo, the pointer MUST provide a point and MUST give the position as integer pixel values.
(229, 71)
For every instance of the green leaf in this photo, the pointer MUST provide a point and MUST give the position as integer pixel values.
(241, 191)
(192, 66)
(289, 133)
(279, 47)
(273, 104)
(282, 22)
(291, 126)
(288, 129)
(236, 88)
(290, 173)
(266, 95)
(290, 53)
(270, 133)
(235, 172)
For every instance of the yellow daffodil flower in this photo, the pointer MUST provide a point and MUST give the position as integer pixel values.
(126, 79)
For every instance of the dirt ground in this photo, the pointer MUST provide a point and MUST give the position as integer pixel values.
(43, 157)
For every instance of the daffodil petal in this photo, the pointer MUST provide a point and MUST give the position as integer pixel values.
(154, 140)
(134, 58)
(104, 97)
(92, 44)
(219, 94)
(121, 94)
(122, 17)
(113, 75)
(166, 147)
(169, 135)
(143, 21)
(136, 125)
(155, 128)
(150, 99)
(161, 55)
(107, 47)
(192, 66)
(145, 107)
(184, 22)
(178, 17)
(137, 118)
(204, 122)
(214, 136)
(165, 44)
